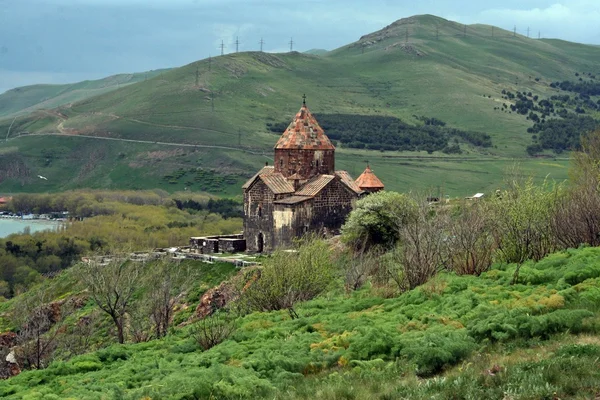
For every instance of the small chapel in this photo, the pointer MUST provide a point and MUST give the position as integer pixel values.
(302, 192)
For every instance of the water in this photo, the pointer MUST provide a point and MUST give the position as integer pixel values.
(8, 226)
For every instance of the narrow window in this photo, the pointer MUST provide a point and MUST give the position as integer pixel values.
(317, 164)
(281, 162)
(260, 211)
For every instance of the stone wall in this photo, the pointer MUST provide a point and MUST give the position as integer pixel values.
(307, 163)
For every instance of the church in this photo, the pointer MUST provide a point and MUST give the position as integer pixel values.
(302, 192)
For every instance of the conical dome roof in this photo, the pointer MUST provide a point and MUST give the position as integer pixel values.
(367, 180)
(304, 133)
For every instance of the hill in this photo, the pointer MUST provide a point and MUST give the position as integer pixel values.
(30, 98)
(454, 337)
(210, 117)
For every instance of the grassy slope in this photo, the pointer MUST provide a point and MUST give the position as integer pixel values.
(237, 94)
(540, 337)
(30, 98)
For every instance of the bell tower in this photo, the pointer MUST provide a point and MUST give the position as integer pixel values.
(304, 150)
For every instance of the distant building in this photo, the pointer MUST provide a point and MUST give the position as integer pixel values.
(302, 192)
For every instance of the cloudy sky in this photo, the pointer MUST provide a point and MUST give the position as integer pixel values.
(59, 41)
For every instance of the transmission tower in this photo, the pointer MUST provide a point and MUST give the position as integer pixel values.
(291, 44)
(222, 46)
(262, 42)
(237, 44)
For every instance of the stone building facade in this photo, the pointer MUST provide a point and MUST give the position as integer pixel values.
(302, 192)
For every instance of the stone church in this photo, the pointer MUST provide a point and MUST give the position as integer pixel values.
(302, 192)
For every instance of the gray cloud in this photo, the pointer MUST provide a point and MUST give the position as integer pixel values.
(68, 40)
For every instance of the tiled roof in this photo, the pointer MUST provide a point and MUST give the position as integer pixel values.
(368, 180)
(348, 181)
(315, 185)
(274, 180)
(293, 200)
(265, 170)
(304, 133)
(277, 183)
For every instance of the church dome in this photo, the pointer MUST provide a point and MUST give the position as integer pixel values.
(304, 133)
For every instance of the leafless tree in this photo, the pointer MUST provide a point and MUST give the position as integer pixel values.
(112, 285)
(357, 266)
(166, 282)
(422, 241)
(40, 323)
(470, 244)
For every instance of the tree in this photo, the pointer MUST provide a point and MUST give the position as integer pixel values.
(470, 243)
(422, 243)
(39, 327)
(163, 285)
(377, 220)
(577, 220)
(522, 216)
(288, 277)
(112, 282)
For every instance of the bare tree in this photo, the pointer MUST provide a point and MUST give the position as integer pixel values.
(356, 267)
(112, 285)
(470, 244)
(40, 325)
(422, 240)
(166, 281)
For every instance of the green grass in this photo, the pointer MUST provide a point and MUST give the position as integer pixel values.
(30, 98)
(454, 337)
(449, 78)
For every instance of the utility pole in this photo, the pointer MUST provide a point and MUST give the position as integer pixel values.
(492, 31)
(539, 34)
(291, 44)
(527, 32)
(209, 62)
(212, 101)
(237, 44)
(261, 44)
(515, 31)
(222, 47)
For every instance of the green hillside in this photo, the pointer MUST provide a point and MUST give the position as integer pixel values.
(454, 337)
(30, 98)
(419, 66)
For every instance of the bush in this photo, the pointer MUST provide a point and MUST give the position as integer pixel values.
(377, 220)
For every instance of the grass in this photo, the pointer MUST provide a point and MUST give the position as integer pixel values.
(453, 78)
(454, 337)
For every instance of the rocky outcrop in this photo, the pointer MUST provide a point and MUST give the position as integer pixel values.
(8, 362)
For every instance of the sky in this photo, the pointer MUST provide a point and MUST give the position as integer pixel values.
(62, 41)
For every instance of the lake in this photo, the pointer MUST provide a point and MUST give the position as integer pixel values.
(8, 226)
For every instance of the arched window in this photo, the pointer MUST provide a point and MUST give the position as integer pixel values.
(260, 211)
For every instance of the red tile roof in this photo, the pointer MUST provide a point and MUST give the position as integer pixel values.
(368, 180)
(304, 133)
